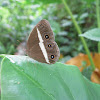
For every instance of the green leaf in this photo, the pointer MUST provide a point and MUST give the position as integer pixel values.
(89, 2)
(87, 72)
(2, 48)
(93, 34)
(42, 1)
(22, 78)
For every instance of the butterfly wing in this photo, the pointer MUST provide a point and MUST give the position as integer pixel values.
(41, 45)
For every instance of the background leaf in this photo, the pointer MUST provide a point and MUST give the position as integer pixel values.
(87, 72)
(43, 1)
(23, 78)
(93, 34)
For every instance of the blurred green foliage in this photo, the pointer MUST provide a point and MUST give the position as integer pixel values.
(18, 17)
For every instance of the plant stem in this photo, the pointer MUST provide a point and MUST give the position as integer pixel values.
(98, 20)
(79, 32)
(98, 13)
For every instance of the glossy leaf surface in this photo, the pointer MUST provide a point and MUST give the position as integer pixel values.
(23, 78)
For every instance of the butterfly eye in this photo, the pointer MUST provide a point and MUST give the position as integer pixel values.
(52, 56)
(46, 36)
(49, 45)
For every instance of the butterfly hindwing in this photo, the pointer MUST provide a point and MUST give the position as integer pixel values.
(36, 53)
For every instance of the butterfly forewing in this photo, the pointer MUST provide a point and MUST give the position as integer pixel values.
(45, 30)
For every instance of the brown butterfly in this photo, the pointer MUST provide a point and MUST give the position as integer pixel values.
(41, 44)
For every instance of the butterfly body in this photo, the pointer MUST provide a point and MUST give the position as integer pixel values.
(41, 44)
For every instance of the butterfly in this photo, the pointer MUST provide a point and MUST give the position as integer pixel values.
(41, 44)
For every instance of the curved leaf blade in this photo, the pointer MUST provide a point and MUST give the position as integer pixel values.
(93, 34)
(25, 79)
